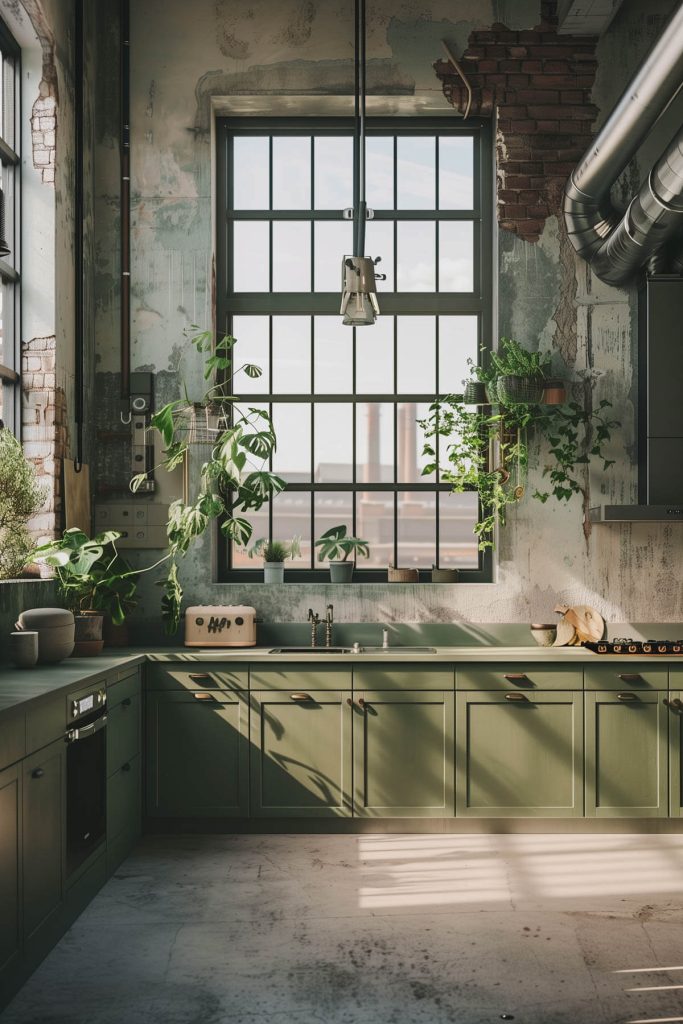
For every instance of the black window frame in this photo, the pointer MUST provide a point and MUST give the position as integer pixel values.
(10, 272)
(479, 302)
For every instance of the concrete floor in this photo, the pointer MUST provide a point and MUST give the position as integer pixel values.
(418, 929)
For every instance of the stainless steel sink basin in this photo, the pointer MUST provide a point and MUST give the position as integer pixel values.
(310, 650)
(349, 650)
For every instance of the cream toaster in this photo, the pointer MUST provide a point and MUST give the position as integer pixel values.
(220, 625)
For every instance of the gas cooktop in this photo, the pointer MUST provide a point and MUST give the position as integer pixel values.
(625, 645)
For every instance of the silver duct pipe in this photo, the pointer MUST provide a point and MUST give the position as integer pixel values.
(617, 245)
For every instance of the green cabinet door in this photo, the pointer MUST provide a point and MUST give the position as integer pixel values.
(675, 716)
(300, 753)
(124, 811)
(197, 757)
(43, 817)
(626, 754)
(10, 851)
(123, 732)
(403, 754)
(519, 754)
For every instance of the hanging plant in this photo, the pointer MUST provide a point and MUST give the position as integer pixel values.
(233, 480)
(487, 450)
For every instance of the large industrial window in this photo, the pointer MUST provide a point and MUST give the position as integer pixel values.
(345, 401)
(10, 355)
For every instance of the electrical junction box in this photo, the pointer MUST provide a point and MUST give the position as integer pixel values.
(141, 525)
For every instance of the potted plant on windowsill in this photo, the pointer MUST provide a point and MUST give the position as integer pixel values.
(95, 581)
(520, 374)
(274, 554)
(336, 546)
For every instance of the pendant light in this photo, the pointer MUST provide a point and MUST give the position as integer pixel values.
(359, 305)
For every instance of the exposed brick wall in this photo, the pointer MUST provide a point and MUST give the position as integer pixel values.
(44, 429)
(44, 136)
(538, 83)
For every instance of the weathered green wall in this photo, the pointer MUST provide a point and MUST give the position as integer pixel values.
(182, 55)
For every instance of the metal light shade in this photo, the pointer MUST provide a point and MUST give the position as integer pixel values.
(359, 305)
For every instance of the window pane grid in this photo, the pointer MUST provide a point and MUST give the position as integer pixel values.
(335, 463)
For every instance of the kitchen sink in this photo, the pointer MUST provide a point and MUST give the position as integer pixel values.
(349, 650)
(310, 650)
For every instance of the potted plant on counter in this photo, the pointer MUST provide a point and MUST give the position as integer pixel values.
(95, 581)
(274, 554)
(336, 546)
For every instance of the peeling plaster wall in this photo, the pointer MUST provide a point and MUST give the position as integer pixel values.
(183, 54)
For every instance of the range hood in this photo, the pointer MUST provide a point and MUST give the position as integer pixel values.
(660, 408)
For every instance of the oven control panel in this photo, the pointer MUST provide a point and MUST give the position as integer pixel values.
(85, 704)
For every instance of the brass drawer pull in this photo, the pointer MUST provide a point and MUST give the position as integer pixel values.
(630, 677)
(205, 697)
(300, 697)
(516, 677)
(627, 696)
(516, 697)
(200, 677)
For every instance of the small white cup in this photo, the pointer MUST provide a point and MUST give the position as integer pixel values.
(23, 648)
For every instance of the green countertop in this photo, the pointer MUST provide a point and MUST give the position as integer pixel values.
(18, 686)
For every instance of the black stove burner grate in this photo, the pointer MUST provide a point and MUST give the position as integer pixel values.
(626, 645)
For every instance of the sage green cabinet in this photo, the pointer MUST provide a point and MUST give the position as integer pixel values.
(43, 824)
(403, 753)
(197, 754)
(674, 705)
(626, 754)
(519, 754)
(10, 861)
(124, 774)
(301, 753)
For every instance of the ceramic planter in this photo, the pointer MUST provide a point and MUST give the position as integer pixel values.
(341, 572)
(554, 393)
(520, 390)
(115, 636)
(273, 572)
(88, 635)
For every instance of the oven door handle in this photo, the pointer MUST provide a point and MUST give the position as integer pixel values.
(74, 735)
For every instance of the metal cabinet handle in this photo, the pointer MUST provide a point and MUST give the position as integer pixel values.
(300, 698)
(627, 697)
(517, 697)
(126, 702)
(516, 677)
(37, 773)
(630, 677)
(200, 677)
(125, 767)
(205, 697)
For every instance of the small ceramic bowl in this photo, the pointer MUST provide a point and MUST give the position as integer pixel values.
(544, 633)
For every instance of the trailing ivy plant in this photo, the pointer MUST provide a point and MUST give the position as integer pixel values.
(486, 449)
(233, 481)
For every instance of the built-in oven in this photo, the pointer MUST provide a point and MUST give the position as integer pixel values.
(86, 775)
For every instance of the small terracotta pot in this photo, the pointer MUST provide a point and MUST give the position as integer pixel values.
(88, 634)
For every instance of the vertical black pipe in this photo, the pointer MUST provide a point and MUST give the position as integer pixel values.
(79, 218)
(124, 15)
(360, 60)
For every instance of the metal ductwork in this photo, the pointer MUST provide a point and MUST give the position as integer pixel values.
(617, 245)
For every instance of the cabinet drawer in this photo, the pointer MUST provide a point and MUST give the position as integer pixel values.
(124, 800)
(196, 677)
(122, 690)
(12, 738)
(298, 677)
(630, 676)
(123, 732)
(518, 676)
(407, 677)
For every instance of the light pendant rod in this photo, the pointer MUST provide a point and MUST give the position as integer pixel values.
(359, 203)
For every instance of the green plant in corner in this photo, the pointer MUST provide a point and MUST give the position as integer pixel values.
(92, 575)
(232, 481)
(21, 496)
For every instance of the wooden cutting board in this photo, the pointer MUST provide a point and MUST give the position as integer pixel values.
(77, 497)
(588, 623)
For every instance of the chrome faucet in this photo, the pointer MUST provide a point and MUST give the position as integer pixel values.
(314, 620)
(329, 620)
